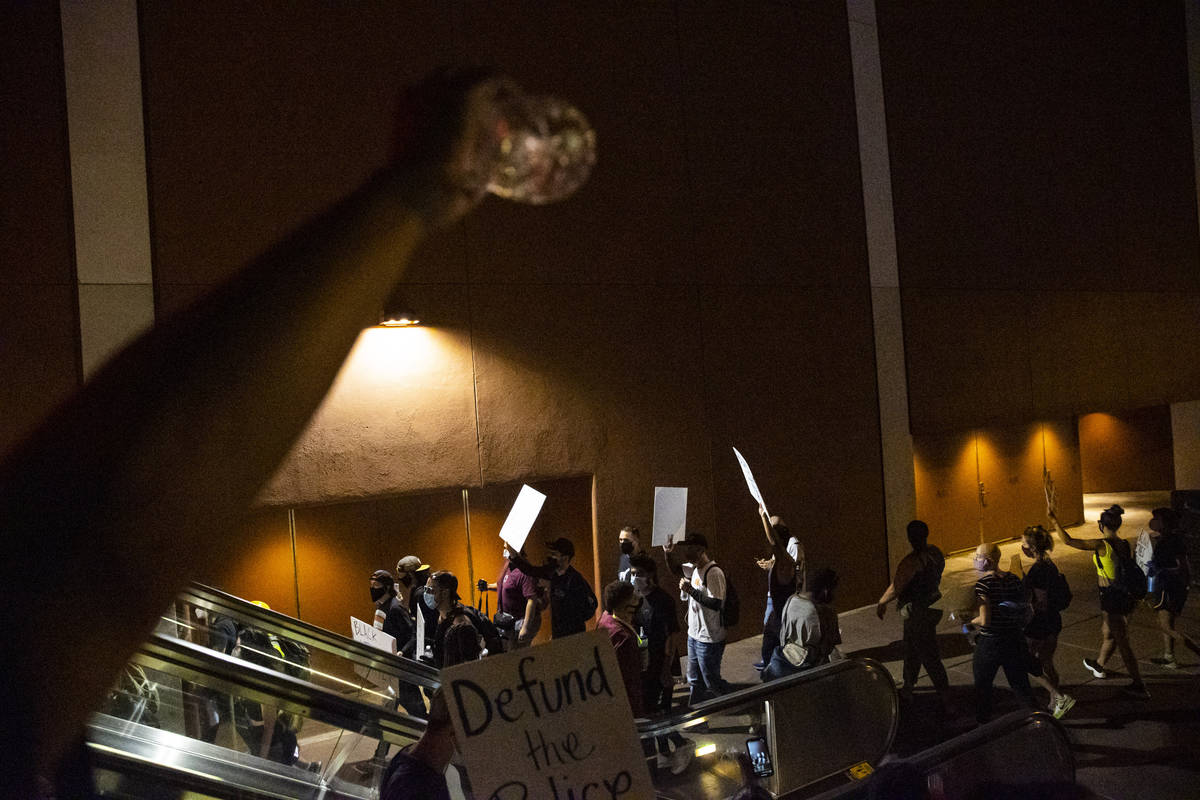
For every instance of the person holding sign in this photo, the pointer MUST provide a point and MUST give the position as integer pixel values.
(392, 617)
(1116, 604)
(629, 539)
(419, 771)
(785, 576)
(702, 584)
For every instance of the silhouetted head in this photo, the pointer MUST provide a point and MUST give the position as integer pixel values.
(918, 534)
(1110, 519)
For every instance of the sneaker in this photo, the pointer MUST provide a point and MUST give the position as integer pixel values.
(1064, 704)
(682, 757)
(1137, 691)
(760, 666)
(1094, 667)
(1166, 661)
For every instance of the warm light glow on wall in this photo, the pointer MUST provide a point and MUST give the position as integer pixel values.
(385, 355)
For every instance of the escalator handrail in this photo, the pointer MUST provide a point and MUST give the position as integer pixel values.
(199, 664)
(406, 669)
(661, 725)
(929, 759)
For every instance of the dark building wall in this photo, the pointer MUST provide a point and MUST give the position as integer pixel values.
(39, 328)
(1045, 206)
(1127, 451)
(707, 288)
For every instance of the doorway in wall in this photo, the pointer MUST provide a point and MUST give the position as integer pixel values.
(986, 485)
(313, 562)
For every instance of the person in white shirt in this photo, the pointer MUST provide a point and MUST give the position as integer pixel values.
(702, 585)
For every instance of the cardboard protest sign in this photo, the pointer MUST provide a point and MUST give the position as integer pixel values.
(522, 516)
(368, 634)
(670, 514)
(550, 722)
(1051, 495)
(750, 480)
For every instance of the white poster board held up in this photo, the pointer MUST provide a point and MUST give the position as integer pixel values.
(521, 517)
(754, 492)
(548, 722)
(670, 514)
(368, 634)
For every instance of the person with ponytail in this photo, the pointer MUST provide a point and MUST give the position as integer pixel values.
(1115, 604)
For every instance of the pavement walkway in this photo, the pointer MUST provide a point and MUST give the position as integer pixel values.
(1124, 748)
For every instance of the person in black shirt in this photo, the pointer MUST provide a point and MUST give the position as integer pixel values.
(1003, 608)
(572, 601)
(1041, 632)
(915, 588)
(659, 626)
(1171, 573)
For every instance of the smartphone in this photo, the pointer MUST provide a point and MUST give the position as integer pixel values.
(760, 757)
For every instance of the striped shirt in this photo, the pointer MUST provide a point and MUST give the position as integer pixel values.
(1006, 599)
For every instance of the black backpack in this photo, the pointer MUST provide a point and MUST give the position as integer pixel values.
(1058, 592)
(1130, 578)
(486, 629)
(731, 608)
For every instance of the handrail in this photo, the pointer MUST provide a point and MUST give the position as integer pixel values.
(658, 725)
(929, 760)
(198, 664)
(406, 669)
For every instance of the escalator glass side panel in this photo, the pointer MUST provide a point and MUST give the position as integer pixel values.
(815, 725)
(221, 621)
(1020, 749)
(221, 718)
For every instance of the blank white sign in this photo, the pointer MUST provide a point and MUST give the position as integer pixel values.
(670, 514)
(522, 516)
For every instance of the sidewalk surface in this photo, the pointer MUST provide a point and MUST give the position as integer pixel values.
(1123, 748)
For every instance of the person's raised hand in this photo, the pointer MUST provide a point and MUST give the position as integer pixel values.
(444, 140)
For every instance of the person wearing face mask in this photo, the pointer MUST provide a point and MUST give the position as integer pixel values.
(702, 583)
(810, 632)
(517, 597)
(785, 576)
(658, 626)
(1115, 603)
(915, 588)
(462, 633)
(1003, 610)
(629, 540)
(1041, 632)
(572, 601)
(621, 604)
(393, 618)
(411, 574)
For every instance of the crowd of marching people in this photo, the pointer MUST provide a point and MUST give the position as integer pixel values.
(1013, 622)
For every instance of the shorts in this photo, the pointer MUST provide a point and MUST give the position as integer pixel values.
(1168, 597)
(1115, 601)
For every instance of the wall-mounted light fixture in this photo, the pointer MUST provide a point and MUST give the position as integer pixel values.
(397, 314)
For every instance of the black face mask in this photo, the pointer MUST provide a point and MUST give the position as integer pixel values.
(406, 580)
(627, 547)
(377, 592)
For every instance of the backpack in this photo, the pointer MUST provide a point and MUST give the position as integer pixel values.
(1130, 578)
(1058, 592)
(486, 629)
(731, 608)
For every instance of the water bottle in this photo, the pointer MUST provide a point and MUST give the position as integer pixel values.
(539, 149)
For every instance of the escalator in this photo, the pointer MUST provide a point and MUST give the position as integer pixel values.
(180, 724)
(1024, 754)
(819, 727)
(293, 712)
